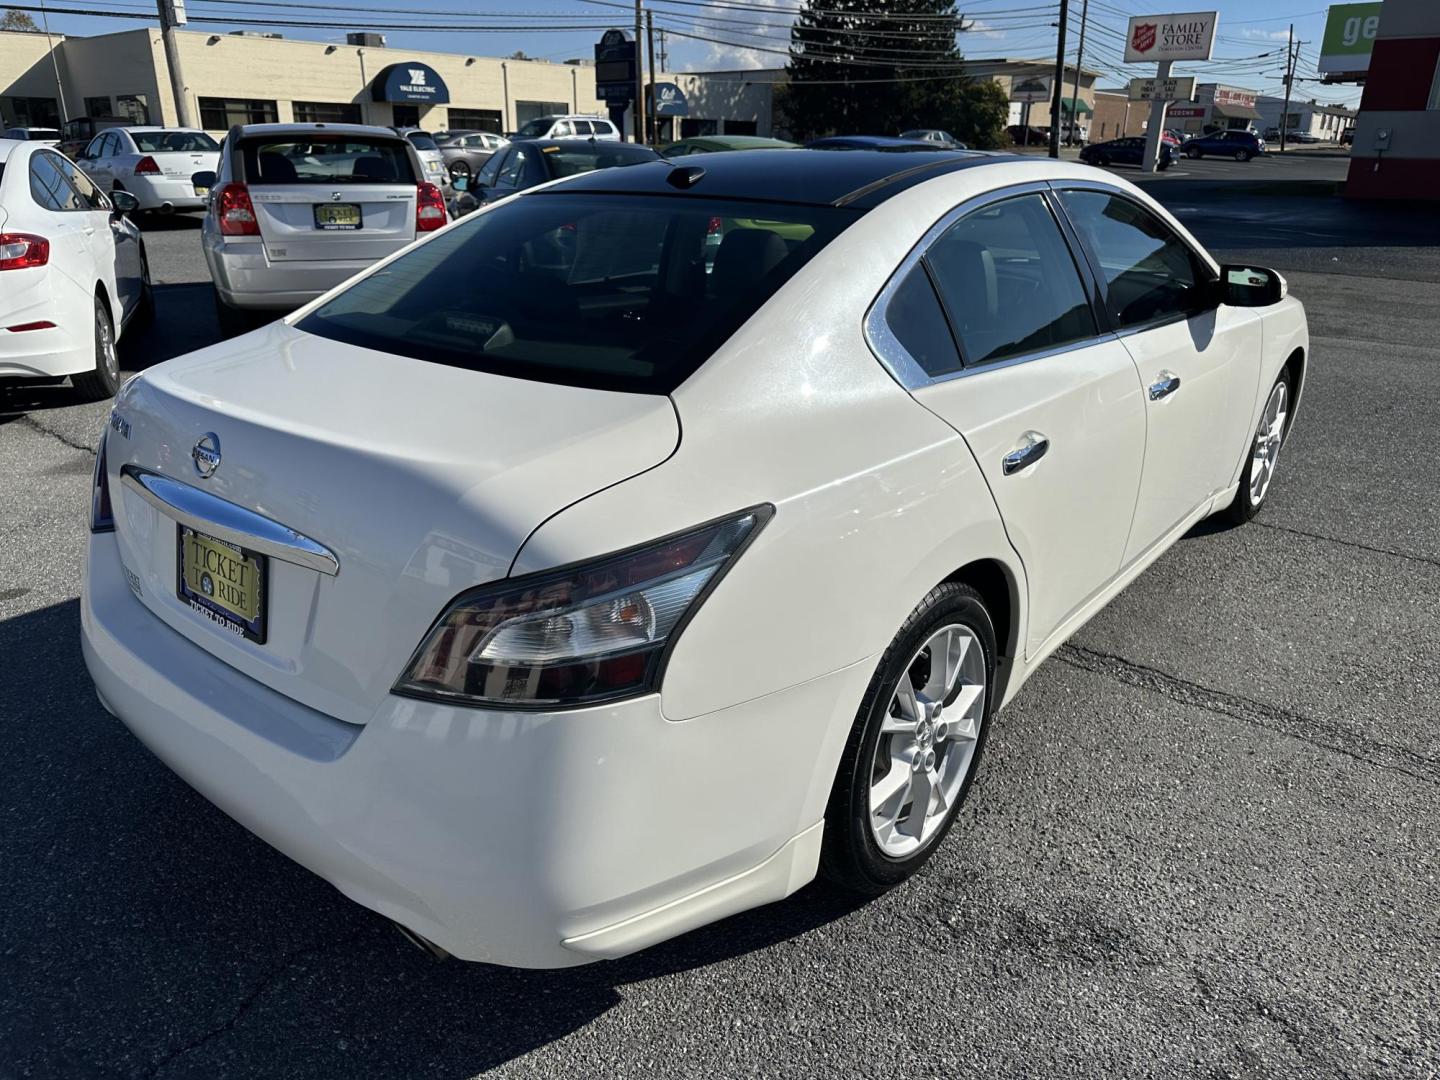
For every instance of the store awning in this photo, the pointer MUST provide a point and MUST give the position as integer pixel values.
(410, 81)
(1079, 106)
(1235, 112)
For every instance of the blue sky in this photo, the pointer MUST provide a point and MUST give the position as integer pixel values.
(748, 33)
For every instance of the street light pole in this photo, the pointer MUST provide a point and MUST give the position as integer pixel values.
(1059, 87)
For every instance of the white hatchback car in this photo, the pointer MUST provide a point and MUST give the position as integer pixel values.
(568, 582)
(574, 126)
(157, 165)
(73, 275)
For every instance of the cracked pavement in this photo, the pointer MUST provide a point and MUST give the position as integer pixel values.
(1202, 842)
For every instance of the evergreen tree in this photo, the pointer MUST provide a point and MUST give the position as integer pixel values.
(879, 67)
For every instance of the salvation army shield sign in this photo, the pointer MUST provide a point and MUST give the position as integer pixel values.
(1143, 39)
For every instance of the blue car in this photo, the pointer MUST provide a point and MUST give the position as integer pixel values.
(1240, 145)
(1127, 151)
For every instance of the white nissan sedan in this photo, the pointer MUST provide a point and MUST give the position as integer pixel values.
(571, 580)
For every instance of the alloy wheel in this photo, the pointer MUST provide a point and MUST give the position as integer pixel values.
(1268, 438)
(105, 350)
(927, 741)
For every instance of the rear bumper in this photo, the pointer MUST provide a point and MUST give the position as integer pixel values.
(527, 839)
(245, 277)
(156, 192)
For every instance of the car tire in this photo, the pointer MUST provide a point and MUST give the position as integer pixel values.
(1263, 453)
(104, 379)
(1100, 161)
(233, 322)
(861, 853)
(1192, 153)
(1242, 155)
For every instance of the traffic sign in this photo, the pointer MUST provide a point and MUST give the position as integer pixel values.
(615, 67)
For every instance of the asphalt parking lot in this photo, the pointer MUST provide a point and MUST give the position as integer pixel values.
(1203, 841)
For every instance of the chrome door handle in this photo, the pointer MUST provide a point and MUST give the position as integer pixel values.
(1167, 385)
(1035, 448)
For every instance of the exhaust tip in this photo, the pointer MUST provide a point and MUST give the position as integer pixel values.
(424, 944)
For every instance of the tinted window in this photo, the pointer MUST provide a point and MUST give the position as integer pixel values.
(587, 157)
(489, 171)
(49, 187)
(422, 141)
(535, 129)
(513, 168)
(161, 142)
(563, 129)
(1150, 273)
(915, 318)
(94, 200)
(621, 292)
(1009, 282)
(326, 159)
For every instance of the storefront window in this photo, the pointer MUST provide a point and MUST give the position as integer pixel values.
(476, 120)
(97, 106)
(327, 112)
(133, 107)
(525, 111)
(221, 114)
(30, 112)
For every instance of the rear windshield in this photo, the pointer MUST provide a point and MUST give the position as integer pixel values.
(615, 292)
(581, 157)
(43, 133)
(536, 128)
(161, 142)
(327, 159)
(422, 141)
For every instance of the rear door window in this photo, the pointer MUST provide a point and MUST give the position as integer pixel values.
(1009, 282)
(622, 292)
(49, 188)
(326, 159)
(513, 169)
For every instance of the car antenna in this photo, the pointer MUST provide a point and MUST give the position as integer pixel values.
(684, 176)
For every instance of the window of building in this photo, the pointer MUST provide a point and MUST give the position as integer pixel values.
(221, 114)
(525, 111)
(31, 111)
(327, 112)
(1150, 273)
(97, 106)
(134, 107)
(741, 127)
(695, 128)
(1009, 283)
(476, 120)
(405, 116)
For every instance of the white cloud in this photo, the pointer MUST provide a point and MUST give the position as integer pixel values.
(1265, 35)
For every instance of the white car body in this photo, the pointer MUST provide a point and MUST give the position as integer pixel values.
(47, 311)
(160, 178)
(545, 837)
(571, 126)
(430, 157)
(287, 260)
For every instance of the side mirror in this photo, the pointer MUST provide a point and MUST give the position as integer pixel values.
(1246, 286)
(203, 180)
(124, 203)
(460, 183)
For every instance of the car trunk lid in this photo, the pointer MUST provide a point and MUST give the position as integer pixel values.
(421, 480)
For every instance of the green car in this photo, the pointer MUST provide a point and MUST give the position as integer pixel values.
(709, 144)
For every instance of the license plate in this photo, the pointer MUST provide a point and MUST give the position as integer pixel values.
(337, 216)
(223, 583)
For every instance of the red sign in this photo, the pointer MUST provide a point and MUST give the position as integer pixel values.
(1144, 39)
(1185, 111)
(1228, 95)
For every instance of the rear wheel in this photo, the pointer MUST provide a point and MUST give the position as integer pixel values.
(1264, 453)
(1242, 155)
(917, 740)
(104, 379)
(1192, 153)
(1101, 160)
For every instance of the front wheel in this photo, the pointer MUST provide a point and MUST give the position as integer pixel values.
(1193, 154)
(917, 740)
(104, 379)
(1242, 155)
(1264, 453)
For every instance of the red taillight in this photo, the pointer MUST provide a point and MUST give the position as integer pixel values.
(146, 167)
(20, 251)
(43, 324)
(237, 212)
(429, 208)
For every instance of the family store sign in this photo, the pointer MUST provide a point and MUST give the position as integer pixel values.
(1170, 37)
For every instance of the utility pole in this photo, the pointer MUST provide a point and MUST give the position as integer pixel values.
(639, 75)
(1059, 87)
(1289, 78)
(172, 14)
(654, 102)
(1079, 59)
(664, 56)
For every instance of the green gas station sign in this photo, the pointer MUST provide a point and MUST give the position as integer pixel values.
(1349, 36)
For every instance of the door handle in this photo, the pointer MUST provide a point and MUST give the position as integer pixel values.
(1035, 448)
(1167, 385)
